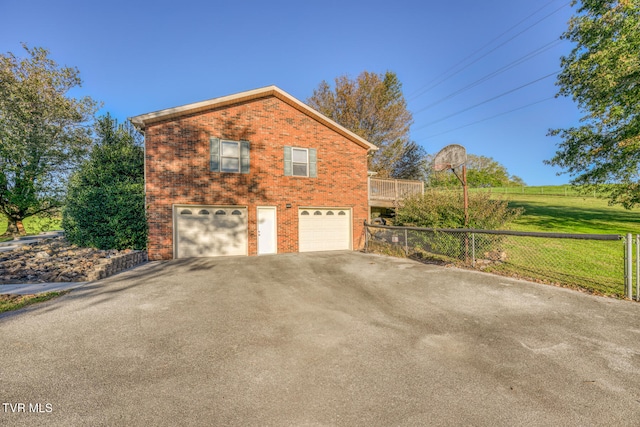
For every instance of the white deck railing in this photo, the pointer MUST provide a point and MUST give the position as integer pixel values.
(393, 189)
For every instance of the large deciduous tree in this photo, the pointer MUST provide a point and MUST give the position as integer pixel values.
(373, 107)
(43, 134)
(105, 201)
(602, 74)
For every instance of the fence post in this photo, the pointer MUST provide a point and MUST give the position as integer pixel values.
(366, 237)
(473, 250)
(406, 243)
(628, 266)
(637, 267)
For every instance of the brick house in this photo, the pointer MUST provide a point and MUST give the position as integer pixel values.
(257, 172)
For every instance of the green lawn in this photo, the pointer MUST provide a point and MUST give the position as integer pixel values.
(35, 224)
(593, 265)
(540, 190)
(572, 214)
(16, 302)
(597, 266)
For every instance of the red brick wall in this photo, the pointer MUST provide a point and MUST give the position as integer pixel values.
(177, 170)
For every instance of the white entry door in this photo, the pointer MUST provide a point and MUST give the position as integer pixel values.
(267, 231)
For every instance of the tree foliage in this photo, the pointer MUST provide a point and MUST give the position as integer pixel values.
(373, 107)
(602, 75)
(105, 202)
(44, 133)
(482, 171)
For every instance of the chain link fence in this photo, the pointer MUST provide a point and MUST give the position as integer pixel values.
(595, 262)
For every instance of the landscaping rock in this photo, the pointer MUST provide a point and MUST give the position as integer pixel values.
(56, 260)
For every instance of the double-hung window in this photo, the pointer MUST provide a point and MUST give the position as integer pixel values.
(300, 162)
(229, 156)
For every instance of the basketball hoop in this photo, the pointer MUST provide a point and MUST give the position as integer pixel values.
(450, 157)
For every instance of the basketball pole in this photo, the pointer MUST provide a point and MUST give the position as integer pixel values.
(465, 192)
(466, 212)
(466, 195)
(450, 157)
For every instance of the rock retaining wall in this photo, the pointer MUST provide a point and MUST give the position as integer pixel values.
(109, 266)
(56, 260)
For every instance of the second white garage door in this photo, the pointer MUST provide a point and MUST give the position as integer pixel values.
(324, 229)
(208, 231)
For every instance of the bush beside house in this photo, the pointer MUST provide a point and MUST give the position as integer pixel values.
(105, 201)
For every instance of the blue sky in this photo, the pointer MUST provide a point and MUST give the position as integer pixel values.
(142, 56)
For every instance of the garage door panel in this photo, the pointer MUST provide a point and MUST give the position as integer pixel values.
(209, 231)
(322, 229)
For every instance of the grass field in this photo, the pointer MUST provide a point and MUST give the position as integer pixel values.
(563, 209)
(572, 214)
(597, 266)
(16, 302)
(540, 190)
(35, 224)
(593, 265)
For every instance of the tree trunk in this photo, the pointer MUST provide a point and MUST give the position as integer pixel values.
(14, 228)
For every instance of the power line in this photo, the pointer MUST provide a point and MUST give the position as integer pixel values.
(483, 47)
(491, 117)
(493, 74)
(487, 101)
(446, 76)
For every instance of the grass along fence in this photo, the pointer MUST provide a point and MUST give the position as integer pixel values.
(594, 262)
(540, 190)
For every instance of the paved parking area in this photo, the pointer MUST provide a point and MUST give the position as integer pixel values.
(324, 339)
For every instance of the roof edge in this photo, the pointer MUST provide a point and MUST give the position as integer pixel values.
(143, 120)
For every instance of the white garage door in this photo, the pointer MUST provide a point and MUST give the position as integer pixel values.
(208, 231)
(324, 229)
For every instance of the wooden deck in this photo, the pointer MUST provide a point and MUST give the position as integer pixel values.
(388, 192)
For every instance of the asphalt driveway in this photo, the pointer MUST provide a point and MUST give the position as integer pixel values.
(318, 340)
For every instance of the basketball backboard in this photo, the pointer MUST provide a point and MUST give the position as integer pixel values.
(450, 157)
